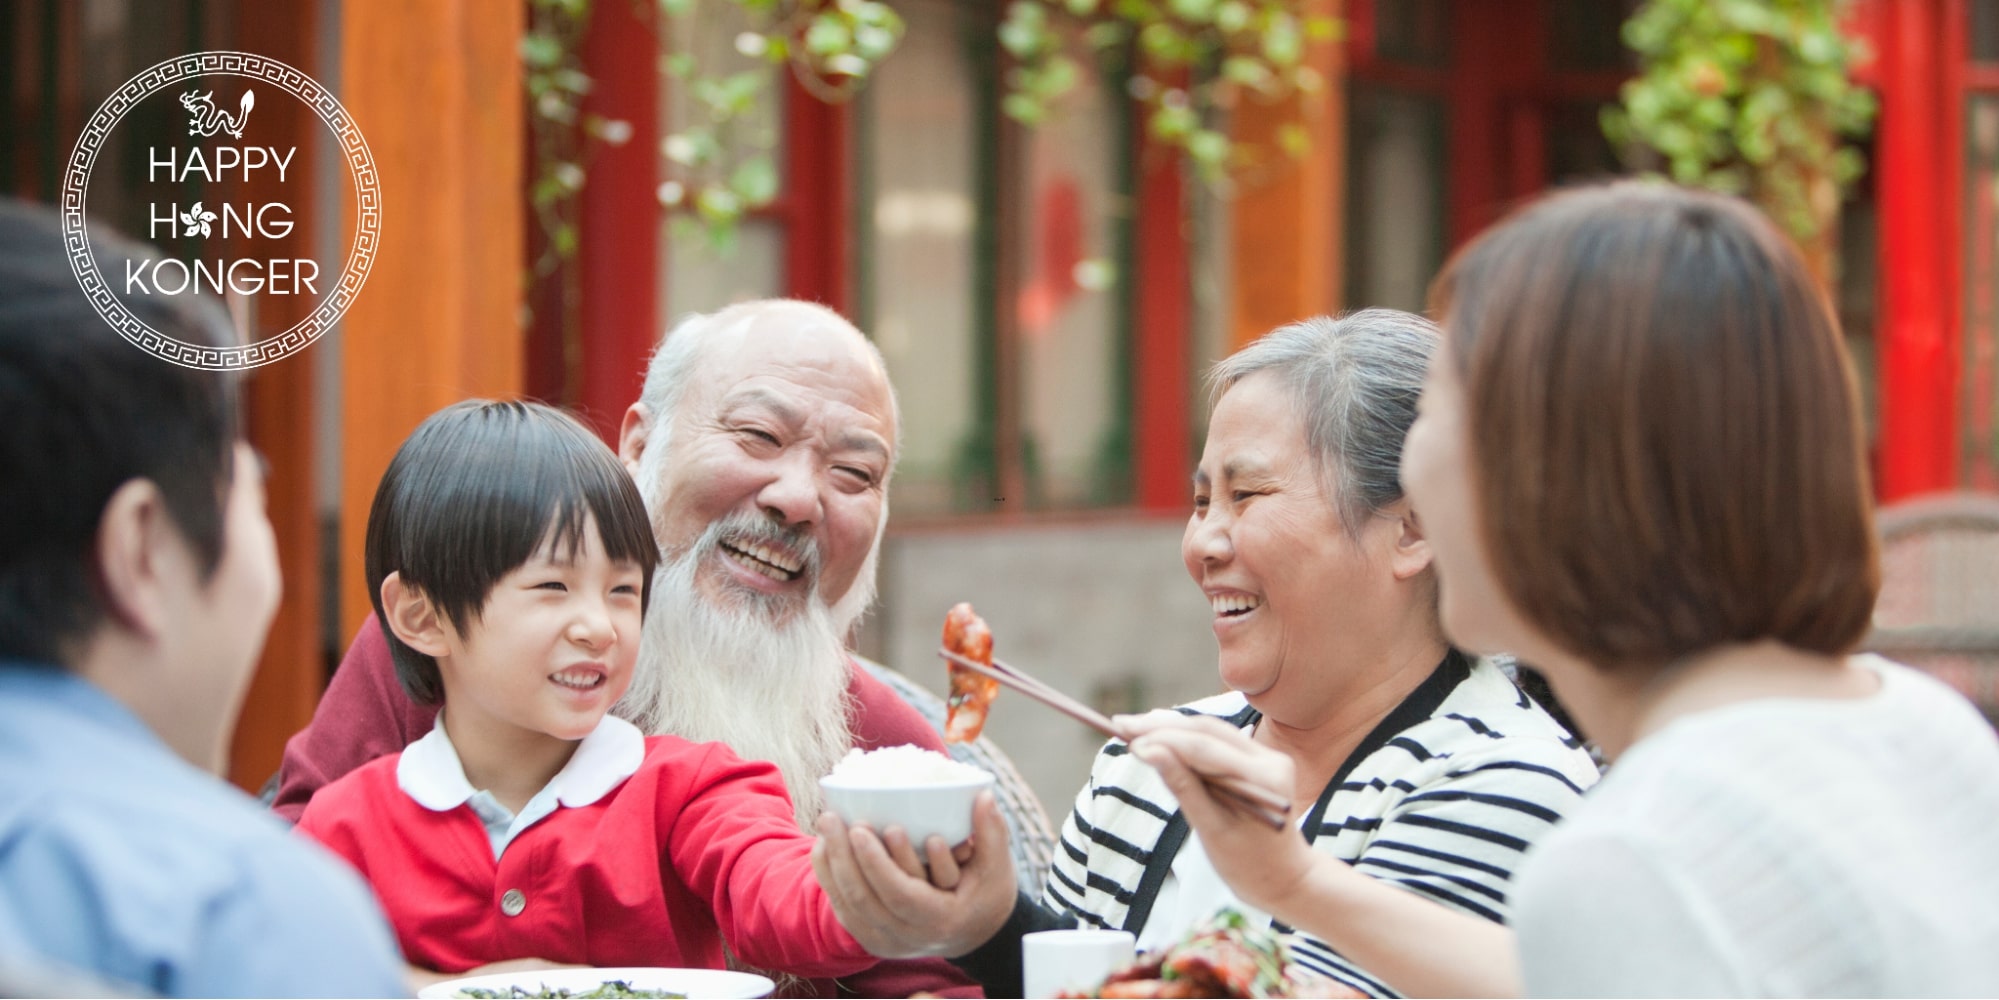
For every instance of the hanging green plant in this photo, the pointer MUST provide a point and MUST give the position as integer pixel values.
(560, 133)
(1195, 57)
(561, 138)
(722, 156)
(1749, 97)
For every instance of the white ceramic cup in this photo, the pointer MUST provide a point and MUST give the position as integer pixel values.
(1078, 960)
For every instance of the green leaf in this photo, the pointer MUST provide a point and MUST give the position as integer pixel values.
(1058, 77)
(1283, 43)
(681, 148)
(1172, 123)
(1232, 17)
(1193, 11)
(1022, 40)
(1023, 109)
(738, 92)
(827, 35)
(1247, 71)
(1027, 13)
(755, 181)
(873, 42)
(1294, 140)
(1209, 150)
(847, 64)
(555, 108)
(1162, 41)
(1105, 35)
(540, 50)
(1616, 126)
(715, 202)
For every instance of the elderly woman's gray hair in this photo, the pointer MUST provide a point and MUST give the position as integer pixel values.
(1354, 380)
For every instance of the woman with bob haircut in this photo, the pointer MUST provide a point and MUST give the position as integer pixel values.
(1639, 462)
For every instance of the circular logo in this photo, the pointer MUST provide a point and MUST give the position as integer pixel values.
(223, 121)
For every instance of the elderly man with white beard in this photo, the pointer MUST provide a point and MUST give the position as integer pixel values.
(762, 442)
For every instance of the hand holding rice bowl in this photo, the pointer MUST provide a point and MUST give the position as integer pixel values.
(922, 791)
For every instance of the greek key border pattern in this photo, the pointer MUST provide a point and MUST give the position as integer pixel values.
(353, 148)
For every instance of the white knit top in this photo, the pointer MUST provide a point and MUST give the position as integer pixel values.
(1780, 847)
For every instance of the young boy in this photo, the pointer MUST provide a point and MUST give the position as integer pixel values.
(137, 578)
(509, 558)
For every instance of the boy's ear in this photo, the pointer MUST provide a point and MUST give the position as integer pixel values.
(413, 618)
(632, 435)
(134, 555)
(1411, 555)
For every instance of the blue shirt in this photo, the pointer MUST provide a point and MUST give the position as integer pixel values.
(120, 859)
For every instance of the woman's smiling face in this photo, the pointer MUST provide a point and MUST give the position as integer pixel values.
(1287, 582)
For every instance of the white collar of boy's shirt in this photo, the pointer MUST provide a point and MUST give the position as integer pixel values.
(431, 773)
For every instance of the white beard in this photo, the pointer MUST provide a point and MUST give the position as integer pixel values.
(771, 686)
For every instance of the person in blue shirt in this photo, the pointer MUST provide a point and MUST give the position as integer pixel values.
(137, 578)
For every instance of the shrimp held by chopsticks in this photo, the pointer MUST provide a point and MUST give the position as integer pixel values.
(966, 634)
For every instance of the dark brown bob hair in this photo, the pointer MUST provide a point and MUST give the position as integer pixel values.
(1664, 429)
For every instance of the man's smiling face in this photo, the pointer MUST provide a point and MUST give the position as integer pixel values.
(777, 463)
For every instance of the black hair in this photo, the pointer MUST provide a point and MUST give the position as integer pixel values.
(82, 412)
(471, 497)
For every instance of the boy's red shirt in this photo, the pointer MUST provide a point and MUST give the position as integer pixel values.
(696, 848)
(366, 715)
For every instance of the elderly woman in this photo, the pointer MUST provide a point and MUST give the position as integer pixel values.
(1422, 767)
(1640, 466)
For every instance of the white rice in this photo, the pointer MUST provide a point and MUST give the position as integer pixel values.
(896, 767)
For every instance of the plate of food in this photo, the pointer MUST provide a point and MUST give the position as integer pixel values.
(630, 982)
(1226, 957)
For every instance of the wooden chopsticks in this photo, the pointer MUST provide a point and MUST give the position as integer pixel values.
(1273, 810)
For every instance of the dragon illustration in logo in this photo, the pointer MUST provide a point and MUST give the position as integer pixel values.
(209, 119)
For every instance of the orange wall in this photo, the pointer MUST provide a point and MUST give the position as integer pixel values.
(1288, 225)
(435, 85)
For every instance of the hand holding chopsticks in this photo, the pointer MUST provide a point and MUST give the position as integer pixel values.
(1273, 810)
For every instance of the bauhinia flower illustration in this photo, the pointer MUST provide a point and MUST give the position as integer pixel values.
(195, 220)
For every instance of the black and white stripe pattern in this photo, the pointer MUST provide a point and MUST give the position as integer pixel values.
(1441, 799)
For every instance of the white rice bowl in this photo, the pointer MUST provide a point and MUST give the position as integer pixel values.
(921, 791)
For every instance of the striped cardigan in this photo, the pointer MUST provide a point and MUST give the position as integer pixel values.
(1441, 798)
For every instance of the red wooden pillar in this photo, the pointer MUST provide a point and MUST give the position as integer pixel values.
(818, 199)
(1160, 440)
(619, 215)
(1478, 120)
(1917, 448)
